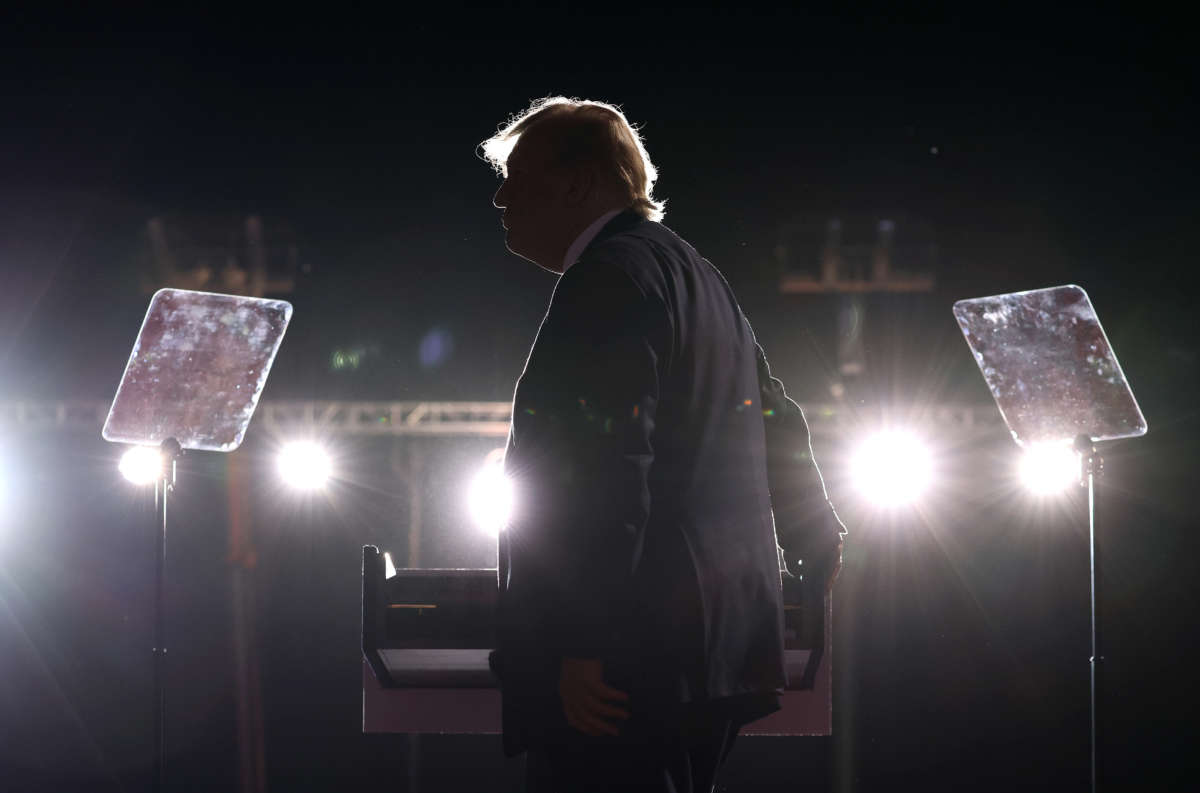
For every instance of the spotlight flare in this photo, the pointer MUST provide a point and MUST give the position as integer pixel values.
(892, 468)
(1048, 468)
(141, 465)
(304, 465)
(490, 498)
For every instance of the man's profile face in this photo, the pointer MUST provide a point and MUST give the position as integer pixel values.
(532, 199)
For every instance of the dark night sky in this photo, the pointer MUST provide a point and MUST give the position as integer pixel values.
(1039, 147)
(1062, 155)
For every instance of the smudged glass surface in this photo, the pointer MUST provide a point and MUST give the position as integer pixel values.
(197, 369)
(1049, 366)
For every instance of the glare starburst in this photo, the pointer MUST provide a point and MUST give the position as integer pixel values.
(892, 468)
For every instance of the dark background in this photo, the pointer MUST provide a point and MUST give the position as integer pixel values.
(1035, 147)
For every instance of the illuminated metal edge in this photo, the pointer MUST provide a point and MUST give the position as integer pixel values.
(477, 419)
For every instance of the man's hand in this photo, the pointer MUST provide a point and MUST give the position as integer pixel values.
(590, 705)
(833, 567)
(820, 570)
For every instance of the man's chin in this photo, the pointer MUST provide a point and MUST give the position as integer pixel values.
(529, 257)
(514, 249)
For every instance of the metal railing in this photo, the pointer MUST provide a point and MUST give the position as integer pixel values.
(475, 419)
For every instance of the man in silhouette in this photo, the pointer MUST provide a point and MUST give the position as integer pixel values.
(640, 620)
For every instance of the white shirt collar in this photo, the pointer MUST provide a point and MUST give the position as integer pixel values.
(585, 238)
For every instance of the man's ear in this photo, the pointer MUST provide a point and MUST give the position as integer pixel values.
(580, 183)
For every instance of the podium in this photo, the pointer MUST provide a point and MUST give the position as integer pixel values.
(426, 635)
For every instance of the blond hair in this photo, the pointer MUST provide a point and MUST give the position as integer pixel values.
(585, 132)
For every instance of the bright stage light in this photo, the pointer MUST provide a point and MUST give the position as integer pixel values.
(490, 496)
(304, 465)
(892, 468)
(142, 465)
(1049, 467)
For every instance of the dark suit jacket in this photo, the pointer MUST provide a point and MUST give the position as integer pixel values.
(647, 441)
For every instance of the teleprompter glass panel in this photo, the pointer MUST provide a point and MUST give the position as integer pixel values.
(197, 369)
(1049, 366)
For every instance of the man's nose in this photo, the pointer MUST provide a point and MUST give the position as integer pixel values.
(498, 200)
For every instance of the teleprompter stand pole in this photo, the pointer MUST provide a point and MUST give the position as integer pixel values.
(1091, 464)
(171, 451)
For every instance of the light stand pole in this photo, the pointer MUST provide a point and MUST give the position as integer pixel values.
(1091, 464)
(165, 483)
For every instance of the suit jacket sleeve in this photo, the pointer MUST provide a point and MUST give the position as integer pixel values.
(587, 401)
(806, 525)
